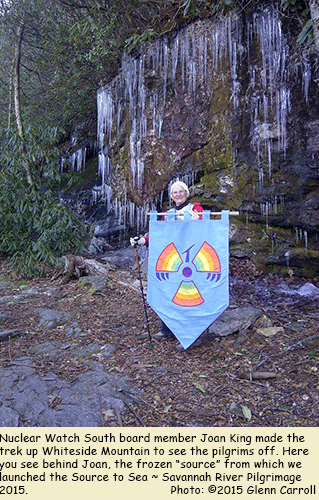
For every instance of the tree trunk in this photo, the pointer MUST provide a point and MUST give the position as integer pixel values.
(16, 77)
(10, 103)
(75, 266)
(17, 99)
(314, 12)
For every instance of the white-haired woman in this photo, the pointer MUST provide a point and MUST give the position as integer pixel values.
(179, 193)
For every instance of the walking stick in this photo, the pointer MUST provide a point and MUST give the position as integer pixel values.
(142, 291)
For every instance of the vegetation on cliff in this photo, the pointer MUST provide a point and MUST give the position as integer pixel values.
(56, 54)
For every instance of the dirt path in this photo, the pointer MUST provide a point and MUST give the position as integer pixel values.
(208, 385)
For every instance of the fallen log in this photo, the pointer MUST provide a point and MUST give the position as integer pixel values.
(75, 266)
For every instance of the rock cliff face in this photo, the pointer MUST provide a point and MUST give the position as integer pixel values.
(230, 106)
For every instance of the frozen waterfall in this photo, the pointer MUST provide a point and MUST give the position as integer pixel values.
(190, 60)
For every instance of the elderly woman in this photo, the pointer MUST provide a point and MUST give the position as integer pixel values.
(179, 193)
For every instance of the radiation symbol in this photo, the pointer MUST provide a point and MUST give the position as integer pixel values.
(205, 261)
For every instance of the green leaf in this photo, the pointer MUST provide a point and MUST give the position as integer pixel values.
(305, 12)
(91, 291)
(285, 407)
(200, 388)
(246, 412)
(306, 36)
(314, 354)
(214, 358)
(134, 41)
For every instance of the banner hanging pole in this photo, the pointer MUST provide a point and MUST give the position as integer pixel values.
(211, 213)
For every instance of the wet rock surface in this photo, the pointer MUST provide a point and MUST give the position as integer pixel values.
(49, 401)
(234, 320)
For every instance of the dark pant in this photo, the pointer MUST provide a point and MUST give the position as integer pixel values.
(164, 329)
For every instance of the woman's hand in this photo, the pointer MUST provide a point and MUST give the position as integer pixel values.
(137, 240)
(194, 215)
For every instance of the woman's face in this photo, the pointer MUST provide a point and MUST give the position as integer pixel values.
(179, 195)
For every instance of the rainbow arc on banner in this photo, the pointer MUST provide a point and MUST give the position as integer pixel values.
(207, 260)
(187, 295)
(169, 261)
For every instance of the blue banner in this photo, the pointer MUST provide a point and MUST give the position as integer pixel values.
(188, 285)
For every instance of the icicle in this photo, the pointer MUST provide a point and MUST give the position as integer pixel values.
(81, 159)
(269, 157)
(275, 94)
(261, 177)
(287, 255)
(105, 116)
(78, 159)
(184, 58)
(267, 213)
(306, 239)
(192, 78)
(104, 167)
(306, 76)
(202, 67)
(165, 64)
(118, 124)
(175, 54)
(160, 123)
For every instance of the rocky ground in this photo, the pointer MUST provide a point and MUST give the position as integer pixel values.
(266, 375)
